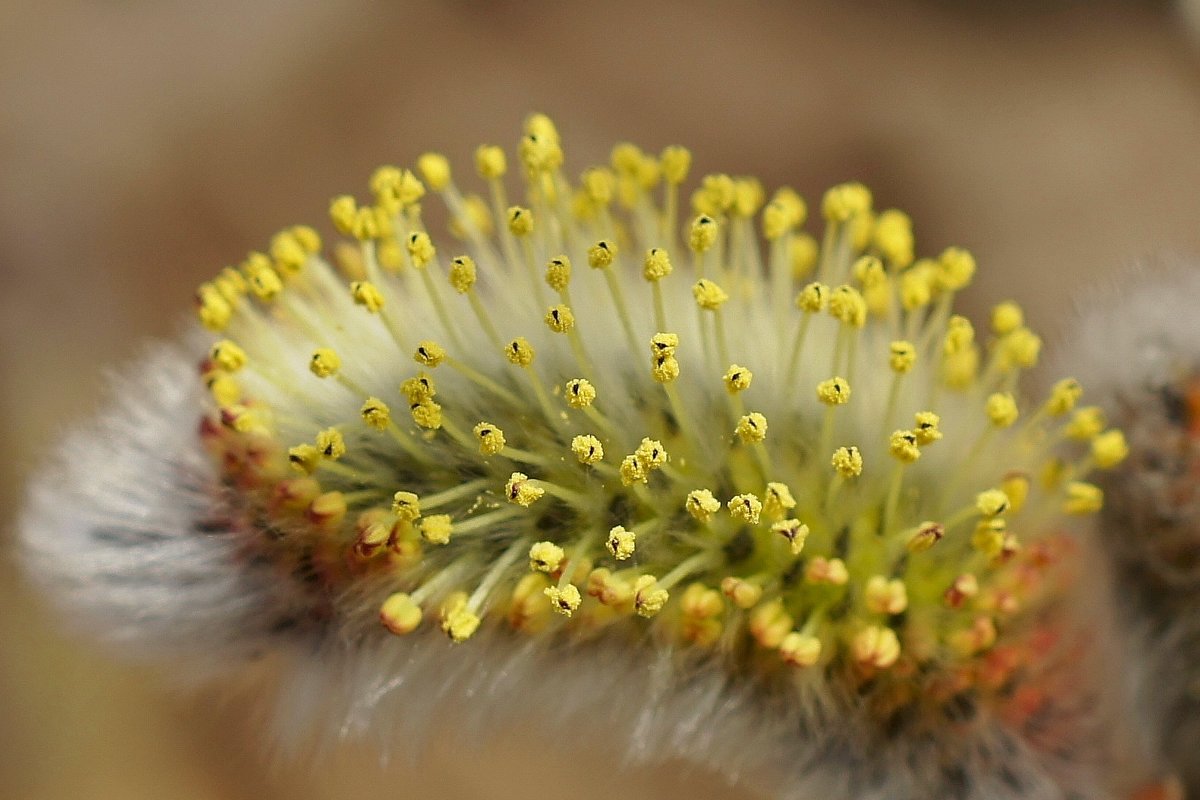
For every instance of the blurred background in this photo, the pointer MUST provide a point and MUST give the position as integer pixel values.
(145, 145)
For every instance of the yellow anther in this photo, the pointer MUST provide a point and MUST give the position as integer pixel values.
(288, 253)
(399, 614)
(342, 211)
(664, 369)
(827, 570)
(331, 444)
(708, 295)
(813, 297)
(545, 557)
(304, 458)
(327, 510)
(367, 295)
(376, 413)
(700, 602)
(770, 624)
(746, 507)
(437, 528)
(883, 596)
(1063, 397)
(894, 238)
(538, 124)
(521, 491)
(752, 428)
(794, 531)
(476, 216)
(460, 624)
(560, 319)
(648, 598)
(803, 254)
(540, 153)
(702, 505)
(737, 379)
(651, 453)
(960, 335)
(587, 449)
(519, 351)
(308, 238)
(598, 184)
(715, 196)
(1016, 486)
(621, 543)
(778, 500)
(869, 271)
(1001, 409)
(915, 288)
(844, 201)
(956, 268)
(1021, 348)
(388, 251)
(558, 273)
(490, 437)
(847, 305)
(435, 169)
(520, 221)
(1109, 449)
(989, 536)
(902, 356)
(626, 158)
(926, 428)
(702, 234)
(876, 647)
(903, 446)
(1086, 423)
(742, 593)
(609, 589)
(228, 356)
(800, 649)
(527, 610)
(748, 197)
(264, 282)
(230, 286)
(1006, 318)
(427, 414)
(420, 249)
(847, 462)
(224, 390)
(565, 600)
(928, 534)
(324, 363)
(580, 393)
(992, 503)
(429, 353)
(834, 392)
(676, 161)
(1083, 498)
(419, 388)
(601, 254)
(406, 506)
(490, 161)
(366, 225)
(657, 264)
(664, 344)
(462, 274)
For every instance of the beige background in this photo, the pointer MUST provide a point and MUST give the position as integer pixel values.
(144, 145)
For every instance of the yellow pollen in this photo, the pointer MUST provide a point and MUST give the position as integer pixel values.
(420, 249)
(991, 503)
(621, 543)
(601, 254)
(520, 221)
(834, 392)
(521, 491)
(633, 471)
(367, 295)
(703, 234)
(558, 273)
(519, 351)
(406, 506)
(847, 462)
(778, 500)
(737, 379)
(651, 453)
(1063, 397)
(657, 265)
(845, 201)
(545, 557)
(587, 449)
(1002, 409)
(813, 298)
(565, 600)
(648, 598)
(376, 413)
(324, 363)
(427, 414)
(580, 393)
(926, 430)
(462, 274)
(664, 369)
(418, 389)
(437, 528)
(794, 531)
(903, 446)
(490, 437)
(560, 319)
(746, 507)
(304, 458)
(709, 295)
(902, 357)
(702, 505)
(331, 444)
(490, 161)
(752, 428)
(460, 624)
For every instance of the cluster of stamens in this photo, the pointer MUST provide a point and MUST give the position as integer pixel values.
(596, 417)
